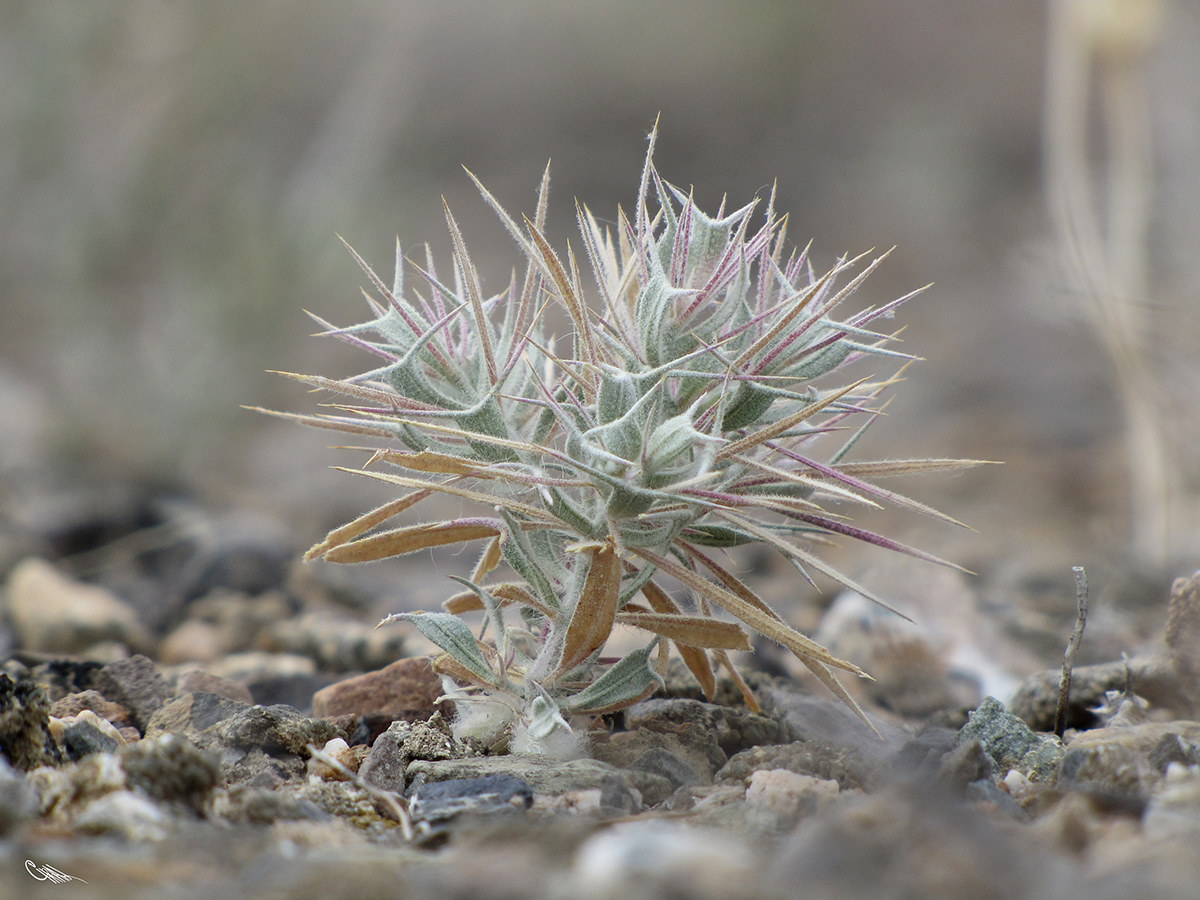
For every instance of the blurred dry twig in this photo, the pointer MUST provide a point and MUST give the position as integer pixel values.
(1109, 43)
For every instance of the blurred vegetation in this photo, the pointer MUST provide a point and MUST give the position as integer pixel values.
(173, 176)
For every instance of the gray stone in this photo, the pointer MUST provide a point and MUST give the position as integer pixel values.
(192, 715)
(264, 746)
(137, 685)
(1154, 678)
(336, 643)
(196, 680)
(651, 787)
(733, 729)
(689, 743)
(967, 764)
(171, 769)
(257, 768)
(828, 721)
(385, 764)
(987, 791)
(1119, 762)
(658, 761)
(1174, 748)
(255, 805)
(1011, 743)
(543, 774)
(274, 729)
(804, 758)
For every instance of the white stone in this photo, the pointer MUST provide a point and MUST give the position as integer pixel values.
(52, 612)
(657, 858)
(781, 790)
(337, 750)
(126, 814)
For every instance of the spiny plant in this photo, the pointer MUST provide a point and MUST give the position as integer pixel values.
(676, 419)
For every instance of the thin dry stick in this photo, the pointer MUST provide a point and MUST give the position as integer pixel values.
(395, 805)
(1064, 683)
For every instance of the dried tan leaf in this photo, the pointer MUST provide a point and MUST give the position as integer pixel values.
(409, 540)
(506, 592)
(693, 631)
(767, 625)
(428, 461)
(830, 681)
(487, 561)
(595, 610)
(885, 467)
(574, 304)
(693, 657)
(490, 500)
(445, 664)
(364, 523)
(731, 582)
(467, 601)
(748, 695)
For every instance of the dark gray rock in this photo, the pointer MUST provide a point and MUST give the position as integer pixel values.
(967, 764)
(258, 768)
(659, 761)
(294, 689)
(196, 680)
(987, 791)
(922, 756)
(83, 739)
(264, 746)
(137, 685)
(734, 729)
(616, 795)
(488, 792)
(690, 743)
(25, 739)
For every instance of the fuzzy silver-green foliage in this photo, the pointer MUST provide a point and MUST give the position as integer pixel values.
(678, 415)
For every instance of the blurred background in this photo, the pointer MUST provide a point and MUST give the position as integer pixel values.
(174, 177)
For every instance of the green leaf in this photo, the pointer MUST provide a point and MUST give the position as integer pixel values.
(452, 635)
(747, 406)
(669, 440)
(625, 682)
